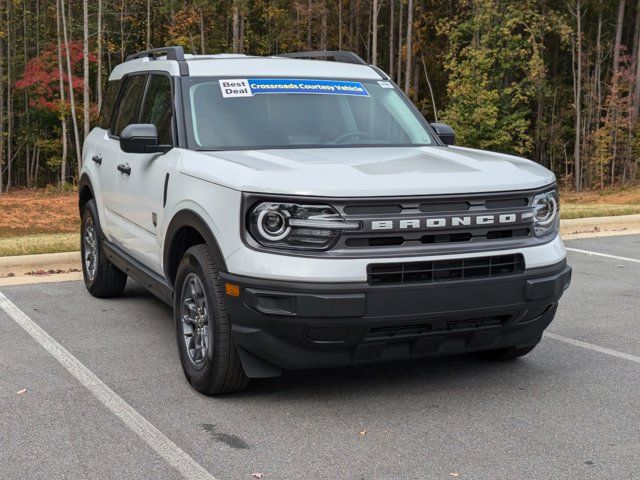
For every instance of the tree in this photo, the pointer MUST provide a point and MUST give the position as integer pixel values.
(617, 46)
(377, 5)
(62, 109)
(236, 26)
(1, 102)
(98, 55)
(44, 84)
(9, 98)
(85, 70)
(493, 68)
(409, 60)
(577, 97)
(148, 24)
(392, 8)
(74, 118)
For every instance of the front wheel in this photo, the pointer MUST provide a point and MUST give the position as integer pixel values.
(205, 344)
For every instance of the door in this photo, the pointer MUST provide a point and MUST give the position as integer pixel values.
(100, 157)
(127, 111)
(140, 192)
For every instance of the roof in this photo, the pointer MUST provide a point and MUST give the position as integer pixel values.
(230, 65)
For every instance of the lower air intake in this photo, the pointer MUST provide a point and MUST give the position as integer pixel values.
(445, 270)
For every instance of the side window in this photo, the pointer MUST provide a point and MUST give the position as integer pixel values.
(129, 105)
(157, 107)
(108, 103)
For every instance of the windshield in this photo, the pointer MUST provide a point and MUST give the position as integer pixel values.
(299, 113)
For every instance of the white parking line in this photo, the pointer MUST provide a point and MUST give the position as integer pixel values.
(598, 254)
(169, 451)
(595, 348)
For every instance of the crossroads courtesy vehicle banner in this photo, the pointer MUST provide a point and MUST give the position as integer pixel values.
(243, 87)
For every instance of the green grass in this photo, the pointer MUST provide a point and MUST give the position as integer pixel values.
(577, 210)
(42, 243)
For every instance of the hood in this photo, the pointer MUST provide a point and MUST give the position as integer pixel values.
(361, 172)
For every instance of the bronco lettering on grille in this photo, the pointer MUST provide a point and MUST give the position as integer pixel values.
(448, 221)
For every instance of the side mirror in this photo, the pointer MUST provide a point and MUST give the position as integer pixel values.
(141, 138)
(445, 133)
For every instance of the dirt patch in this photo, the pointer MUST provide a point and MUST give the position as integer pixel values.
(629, 195)
(28, 212)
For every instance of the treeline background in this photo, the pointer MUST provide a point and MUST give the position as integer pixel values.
(554, 81)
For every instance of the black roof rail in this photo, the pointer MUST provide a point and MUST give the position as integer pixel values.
(381, 72)
(172, 53)
(335, 55)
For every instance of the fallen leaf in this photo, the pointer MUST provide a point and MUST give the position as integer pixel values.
(20, 392)
(258, 475)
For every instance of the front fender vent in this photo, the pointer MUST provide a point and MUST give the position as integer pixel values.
(445, 270)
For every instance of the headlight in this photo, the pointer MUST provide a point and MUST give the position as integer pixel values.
(546, 213)
(295, 226)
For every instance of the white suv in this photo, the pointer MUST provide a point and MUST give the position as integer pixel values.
(299, 213)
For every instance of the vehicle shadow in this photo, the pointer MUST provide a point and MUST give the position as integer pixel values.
(456, 374)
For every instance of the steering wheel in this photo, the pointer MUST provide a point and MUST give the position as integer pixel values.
(357, 133)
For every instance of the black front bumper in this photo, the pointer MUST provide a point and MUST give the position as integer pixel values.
(291, 325)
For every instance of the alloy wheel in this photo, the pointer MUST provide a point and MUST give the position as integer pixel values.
(90, 244)
(194, 312)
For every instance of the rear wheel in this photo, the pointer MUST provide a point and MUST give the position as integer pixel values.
(508, 353)
(101, 277)
(205, 344)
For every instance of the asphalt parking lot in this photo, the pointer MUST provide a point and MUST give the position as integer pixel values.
(570, 409)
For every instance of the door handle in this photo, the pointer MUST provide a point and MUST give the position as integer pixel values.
(124, 168)
(97, 159)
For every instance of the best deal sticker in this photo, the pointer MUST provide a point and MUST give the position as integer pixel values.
(242, 87)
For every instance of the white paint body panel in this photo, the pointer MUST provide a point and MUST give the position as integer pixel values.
(241, 66)
(278, 67)
(251, 263)
(145, 65)
(103, 176)
(362, 172)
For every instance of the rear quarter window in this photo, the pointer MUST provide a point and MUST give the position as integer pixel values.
(108, 103)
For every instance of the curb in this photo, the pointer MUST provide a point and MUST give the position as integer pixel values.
(601, 225)
(42, 260)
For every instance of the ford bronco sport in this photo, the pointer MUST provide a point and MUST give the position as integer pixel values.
(297, 212)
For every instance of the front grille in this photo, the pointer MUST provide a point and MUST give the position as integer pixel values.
(445, 270)
(443, 235)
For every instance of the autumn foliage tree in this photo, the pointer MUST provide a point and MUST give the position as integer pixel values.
(40, 84)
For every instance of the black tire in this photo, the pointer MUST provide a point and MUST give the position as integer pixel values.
(209, 357)
(508, 353)
(103, 279)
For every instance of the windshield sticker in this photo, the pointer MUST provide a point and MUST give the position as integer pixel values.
(243, 87)
(385, 84)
